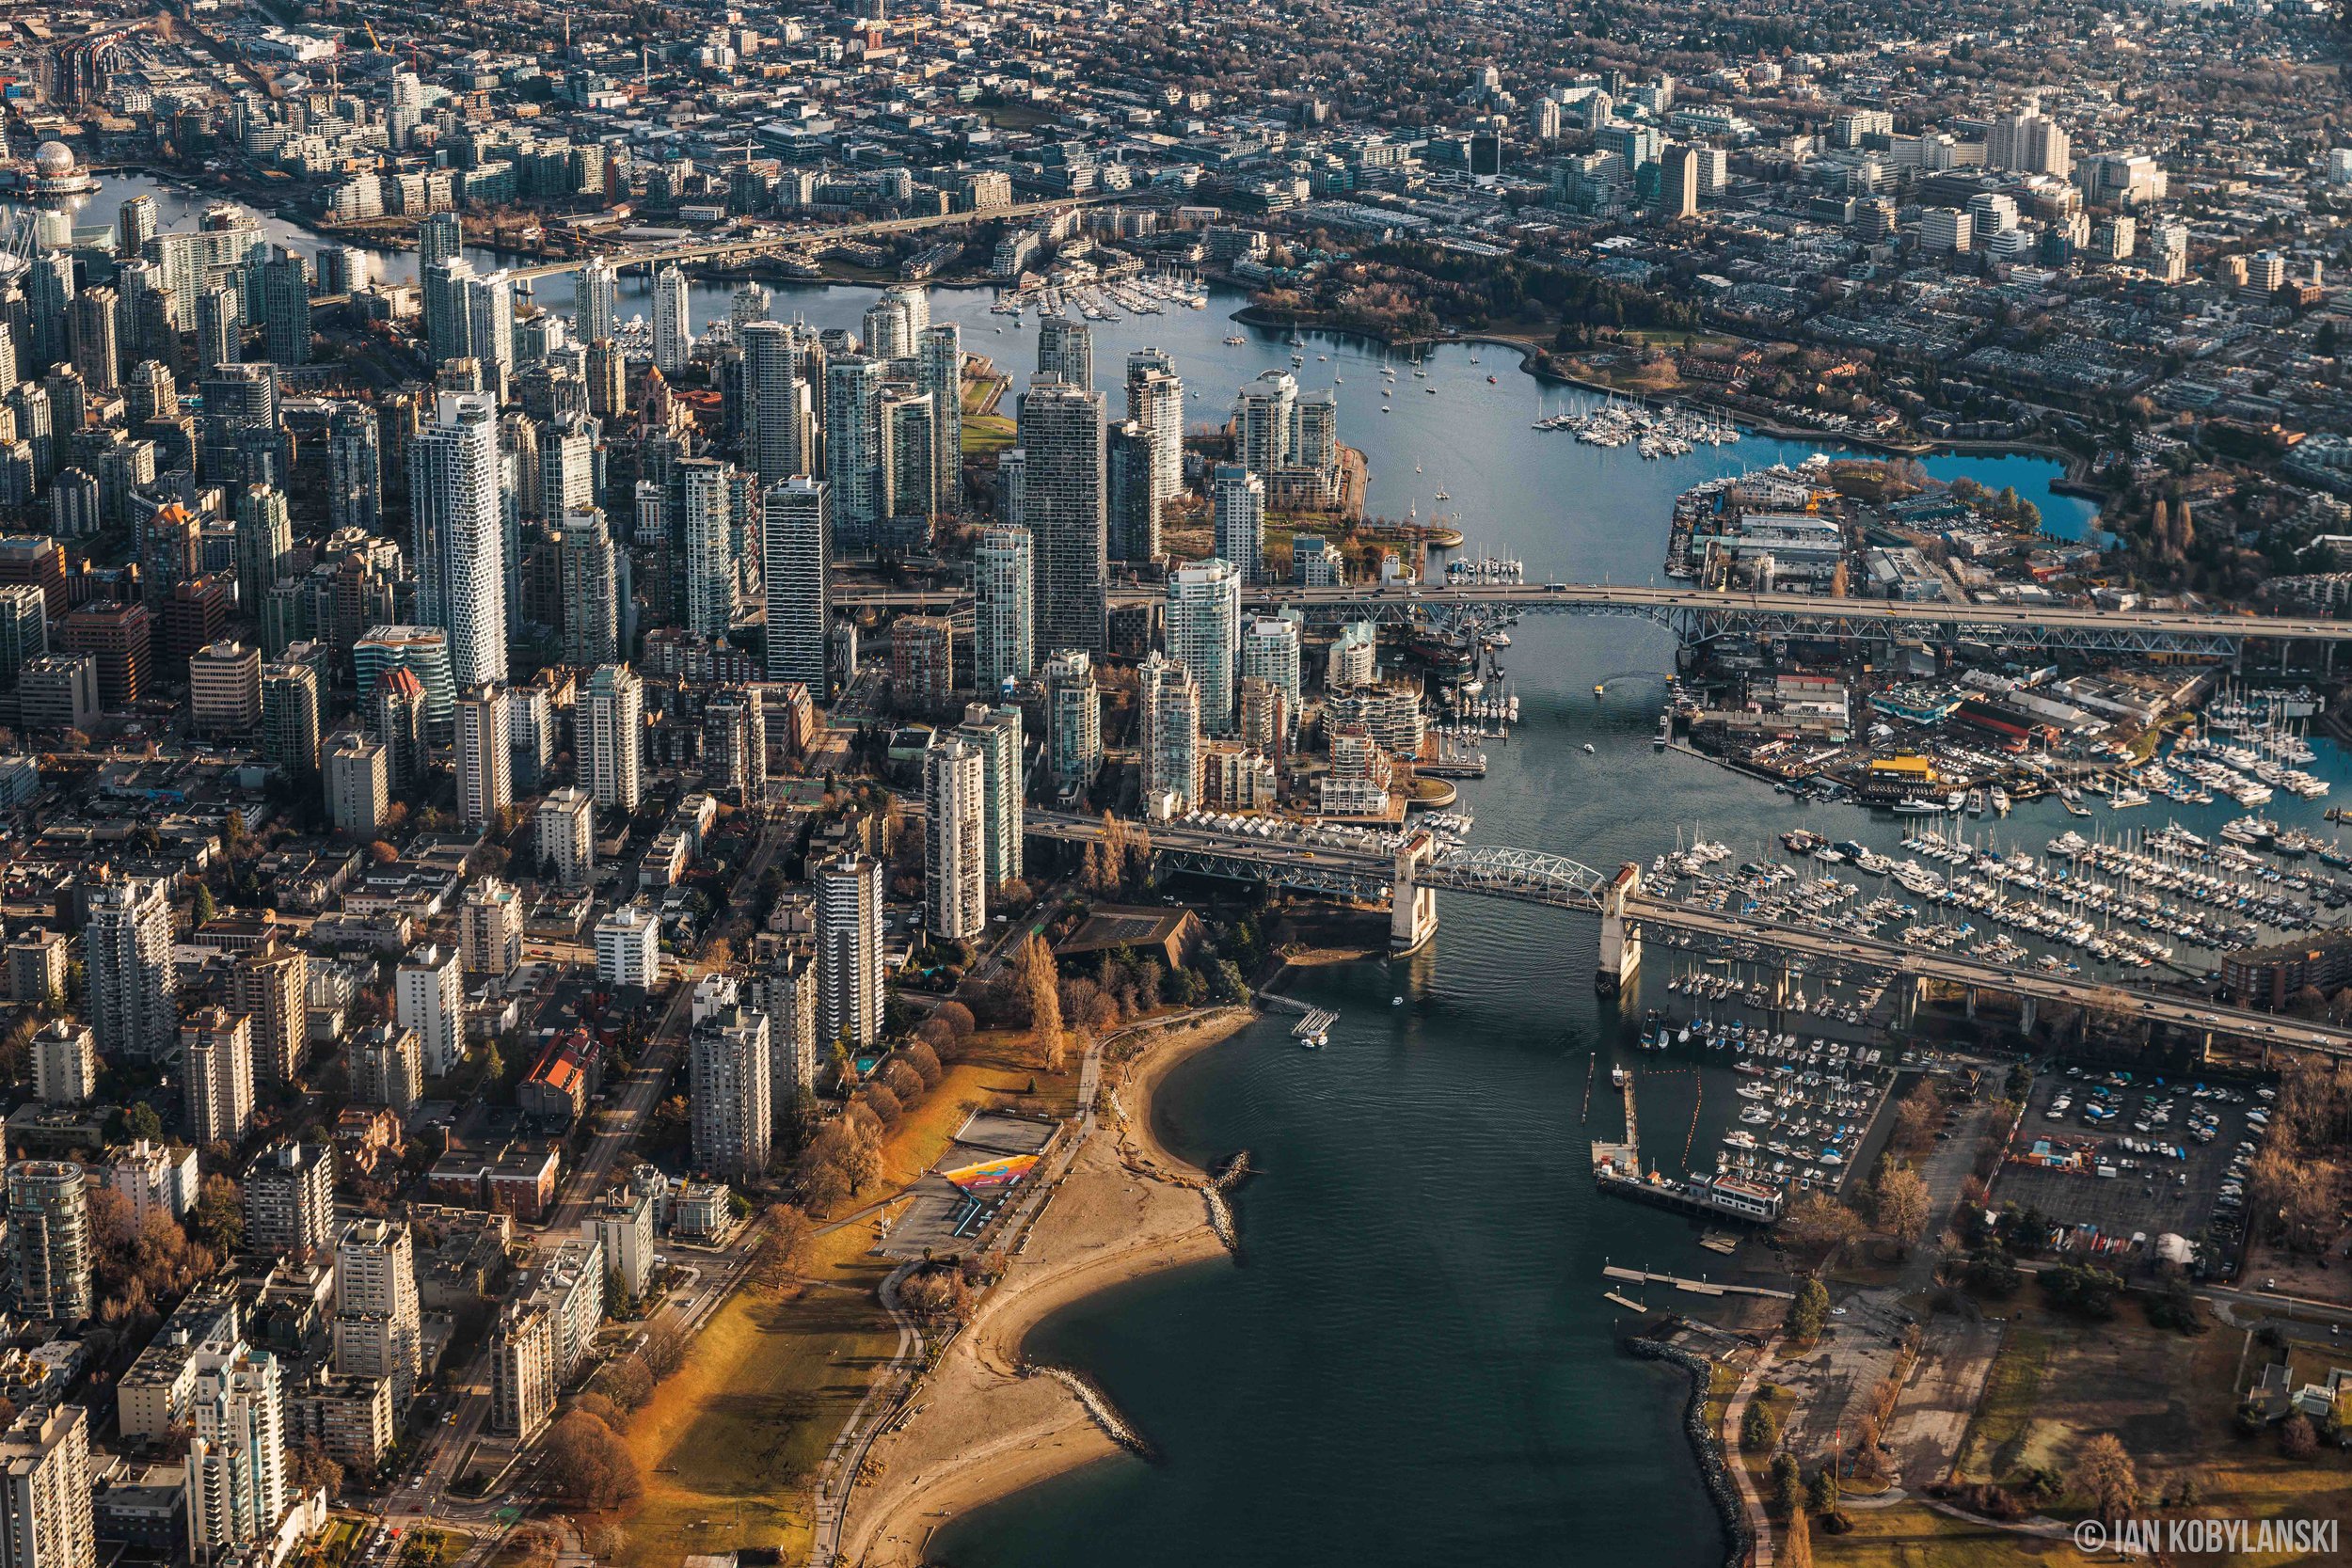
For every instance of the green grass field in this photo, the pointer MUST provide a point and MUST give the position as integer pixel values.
(986, 432)
(1912, 1535)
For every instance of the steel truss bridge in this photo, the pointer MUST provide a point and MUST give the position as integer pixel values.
(1493, 871)
(1407, 879)
(1697, 616)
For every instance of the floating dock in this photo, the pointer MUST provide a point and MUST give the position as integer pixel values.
(1618, 1168)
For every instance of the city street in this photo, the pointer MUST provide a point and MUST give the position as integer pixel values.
(425, 1496)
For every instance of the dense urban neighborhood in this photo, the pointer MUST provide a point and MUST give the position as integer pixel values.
(710, 715)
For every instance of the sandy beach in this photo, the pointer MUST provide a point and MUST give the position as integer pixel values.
(980, 1430)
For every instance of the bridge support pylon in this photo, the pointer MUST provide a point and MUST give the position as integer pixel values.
(2025, 1012)
(1412, 908)
(1620, 939)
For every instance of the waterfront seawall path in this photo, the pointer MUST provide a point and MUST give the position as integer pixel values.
(1759, 1523)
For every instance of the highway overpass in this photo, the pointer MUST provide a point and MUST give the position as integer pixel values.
(1697, 615)
(1328, 862)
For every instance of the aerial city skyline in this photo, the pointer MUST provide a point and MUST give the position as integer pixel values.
(732, 738)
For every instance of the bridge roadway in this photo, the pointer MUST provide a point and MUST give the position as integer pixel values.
(1916, 964)
(1525, 877)
(1349, 871)
(1697, 615)
(794, 239)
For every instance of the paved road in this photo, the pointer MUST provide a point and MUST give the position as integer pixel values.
(816, 234)
(425, 1496)
(1821, 616)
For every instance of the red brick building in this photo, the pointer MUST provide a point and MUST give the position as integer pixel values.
(118, 636)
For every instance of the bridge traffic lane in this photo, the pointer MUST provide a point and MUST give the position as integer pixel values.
(1645, 909)
(792, 238)
(1358, 872)
(1791, 614)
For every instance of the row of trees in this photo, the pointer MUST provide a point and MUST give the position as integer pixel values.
(842, 1156)
(2296, 1174)
(586, 1461)
(1120, 863)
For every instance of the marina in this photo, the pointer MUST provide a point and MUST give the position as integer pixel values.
(1139, 294)
(1313, 1030)
(1673, 431)
(2129, 902)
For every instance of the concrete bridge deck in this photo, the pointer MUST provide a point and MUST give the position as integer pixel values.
(1698, 615)
(1408, 878)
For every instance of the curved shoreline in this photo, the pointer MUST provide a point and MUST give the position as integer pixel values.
(2076, 468)
(982, 1428)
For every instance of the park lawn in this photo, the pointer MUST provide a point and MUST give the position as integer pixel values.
(1722, 1383)
(2169, 1397)
(2005, 1411)
(337, 1542)
(729, 1445)
(1626, 377)
(1019, 116)
(986, 432)
(1913, 1535)
(837, 1255)
(1670, 336)
(1783, 1404)
(428, 1548)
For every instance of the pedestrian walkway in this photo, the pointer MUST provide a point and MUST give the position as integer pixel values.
(1758, 1525)
(1694, 1287)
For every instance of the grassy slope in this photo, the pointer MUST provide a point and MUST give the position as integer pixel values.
(727, 1444)
(986, 432)
(2059, 1383)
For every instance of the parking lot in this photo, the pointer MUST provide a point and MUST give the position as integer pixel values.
(2110, 1155)
(941, 1215)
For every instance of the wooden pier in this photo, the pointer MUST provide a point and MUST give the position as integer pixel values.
(1693, 1287)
